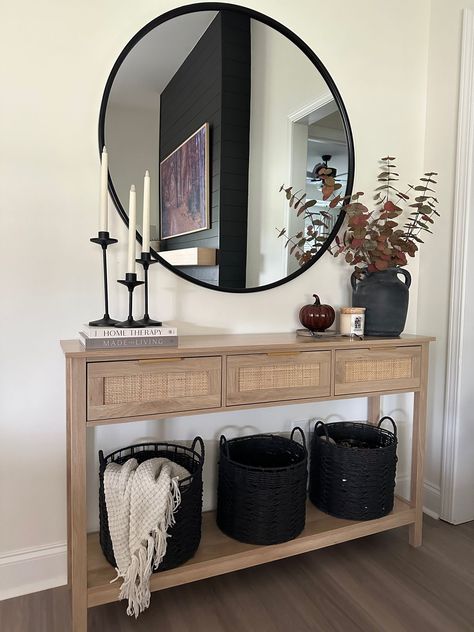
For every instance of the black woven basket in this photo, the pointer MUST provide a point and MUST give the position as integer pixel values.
(185, 534)
(352, 470)
(261, 495)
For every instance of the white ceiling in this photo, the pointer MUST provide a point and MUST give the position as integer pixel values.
(154, 60)
(329, 132)
(332, 121)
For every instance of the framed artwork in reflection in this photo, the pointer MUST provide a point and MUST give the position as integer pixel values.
(184, 187)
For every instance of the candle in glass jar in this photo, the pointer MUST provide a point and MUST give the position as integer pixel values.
(146, 212)
(132, 228)
(104, 170)
(352, 321)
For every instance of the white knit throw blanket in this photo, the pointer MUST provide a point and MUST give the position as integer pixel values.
(141, 501)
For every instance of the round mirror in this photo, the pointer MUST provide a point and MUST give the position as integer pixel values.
(232, 115)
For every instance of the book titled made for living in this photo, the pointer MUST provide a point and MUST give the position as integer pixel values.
(126, 342)
(117, 333)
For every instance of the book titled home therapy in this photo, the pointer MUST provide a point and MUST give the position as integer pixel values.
(117, 333)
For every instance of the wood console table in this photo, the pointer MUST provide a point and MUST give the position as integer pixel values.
(231, 372)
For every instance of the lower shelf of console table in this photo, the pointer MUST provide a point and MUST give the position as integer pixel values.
(218, 554)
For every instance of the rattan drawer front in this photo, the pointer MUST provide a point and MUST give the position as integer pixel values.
(368, 370)
(152, 387)
(277, 377)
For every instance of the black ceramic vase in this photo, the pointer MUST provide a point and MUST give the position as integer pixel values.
(385, 299)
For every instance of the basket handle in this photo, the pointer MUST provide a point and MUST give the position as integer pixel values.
(101, 458)
(321, 423)
(303, 438)
(224, 446)
(392, 422)
(198, 440)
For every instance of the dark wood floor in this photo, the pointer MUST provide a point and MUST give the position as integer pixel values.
(376, 584)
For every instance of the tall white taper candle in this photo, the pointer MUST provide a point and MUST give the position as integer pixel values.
(132, 228)
(146, 213)
(104, 169)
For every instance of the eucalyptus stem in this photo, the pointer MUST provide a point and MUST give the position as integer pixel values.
(373, 239)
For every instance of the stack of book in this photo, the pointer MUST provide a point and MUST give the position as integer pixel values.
(115, 337)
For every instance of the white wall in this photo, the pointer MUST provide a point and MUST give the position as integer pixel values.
(435, 259)
(283, 81)
(132, 138)
(51, 283)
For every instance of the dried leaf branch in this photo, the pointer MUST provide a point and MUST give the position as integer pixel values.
(372, 239)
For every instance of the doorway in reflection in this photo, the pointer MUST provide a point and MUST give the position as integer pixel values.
(318, 141)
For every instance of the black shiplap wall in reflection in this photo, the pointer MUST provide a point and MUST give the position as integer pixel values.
(235, 129)
(213, 85)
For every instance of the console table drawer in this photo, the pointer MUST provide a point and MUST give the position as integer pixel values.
(369, 370)
(273, 377)
(152, 386)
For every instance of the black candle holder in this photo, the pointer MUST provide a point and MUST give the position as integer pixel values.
(104, 240)
(146, 261)
(131, 282)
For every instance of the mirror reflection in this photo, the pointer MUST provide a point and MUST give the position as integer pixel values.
(222, 110)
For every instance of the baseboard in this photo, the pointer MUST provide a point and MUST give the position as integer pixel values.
(431, 495)
(30, 570)
(432, 499)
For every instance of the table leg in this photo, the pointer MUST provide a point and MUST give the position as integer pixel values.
(418, 450)
(77, 503)
(374, 409)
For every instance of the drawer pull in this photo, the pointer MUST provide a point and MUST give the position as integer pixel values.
(287, 354)
(159, 360)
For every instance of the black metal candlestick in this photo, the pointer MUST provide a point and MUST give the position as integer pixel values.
(146, 261)
(131, 282)
(104, 240)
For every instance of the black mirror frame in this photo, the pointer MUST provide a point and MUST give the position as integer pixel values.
(219, 6)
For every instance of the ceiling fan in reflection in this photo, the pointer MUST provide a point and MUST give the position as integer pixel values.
(315, 175)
